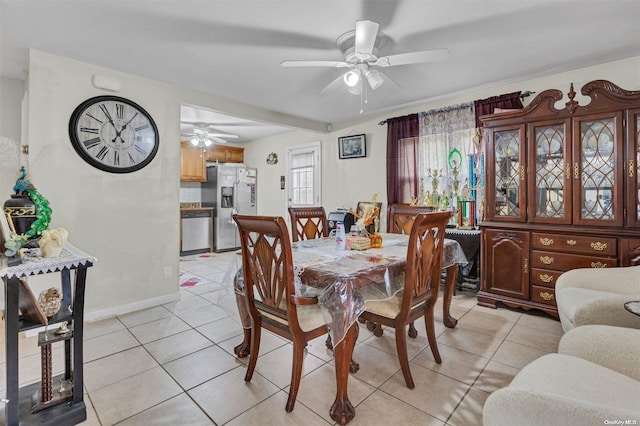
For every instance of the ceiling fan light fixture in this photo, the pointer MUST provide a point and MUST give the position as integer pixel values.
(195, 141)
(374, 79)
(207, 142)
(355, 90)
(351, 78)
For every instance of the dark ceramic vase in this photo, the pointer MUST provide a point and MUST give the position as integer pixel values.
(21, 212)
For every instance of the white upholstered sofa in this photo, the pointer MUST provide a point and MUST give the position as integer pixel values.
(593, 380)
(597, 296)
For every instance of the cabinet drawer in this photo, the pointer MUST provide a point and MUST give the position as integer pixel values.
(544, 277)
(575, 244)
(565, 261)
(544, 295)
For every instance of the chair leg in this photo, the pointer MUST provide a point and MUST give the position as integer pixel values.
(328, 343)
(377, 331)
(256, 331)
(413, 333)
(401, 346)
(242, 350)
(296, 373)
(431, 334)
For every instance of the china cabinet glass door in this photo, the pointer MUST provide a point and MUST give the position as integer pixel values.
(507, 155)
(632, 169)
(550, 151)
(597, 187)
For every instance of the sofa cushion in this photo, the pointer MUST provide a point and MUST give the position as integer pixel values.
(562, 389)
(617, 348)
(581, 306)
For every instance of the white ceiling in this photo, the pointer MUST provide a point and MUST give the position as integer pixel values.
(233, 48)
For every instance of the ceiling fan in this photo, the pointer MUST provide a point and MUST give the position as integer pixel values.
(206, 138)
(360, 50)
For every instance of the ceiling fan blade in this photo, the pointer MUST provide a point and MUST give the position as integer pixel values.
(366, 33)
(413, 58)
(223, 135)
(330, 64)
(217, 139)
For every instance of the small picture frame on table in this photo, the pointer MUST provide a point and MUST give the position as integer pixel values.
(352, 146)
(5, 234)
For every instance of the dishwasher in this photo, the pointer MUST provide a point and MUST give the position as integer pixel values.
(197, 231)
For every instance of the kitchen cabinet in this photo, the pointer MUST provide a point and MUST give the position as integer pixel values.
(225, 154)
(562, 192)
(192, 163)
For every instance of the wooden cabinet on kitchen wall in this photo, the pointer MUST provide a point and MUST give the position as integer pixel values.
(225, 154)
(562, 192)
(192, 163)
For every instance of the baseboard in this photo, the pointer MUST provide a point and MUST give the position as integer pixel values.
(131, 307)
(117, 310)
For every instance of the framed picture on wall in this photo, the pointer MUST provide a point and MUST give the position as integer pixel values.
(352, 146)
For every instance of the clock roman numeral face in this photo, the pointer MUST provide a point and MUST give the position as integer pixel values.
(113, 134)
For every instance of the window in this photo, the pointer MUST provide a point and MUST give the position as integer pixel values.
(303, 172)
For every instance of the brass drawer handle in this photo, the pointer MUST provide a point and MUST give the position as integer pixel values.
(546, 296)
(546, 278)
(546, 241)
(599, 246)
(572, 242)
(526, 265)
(546, 260)
(598, 265)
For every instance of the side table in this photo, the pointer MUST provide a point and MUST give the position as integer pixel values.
(469, 240)
(21, 406)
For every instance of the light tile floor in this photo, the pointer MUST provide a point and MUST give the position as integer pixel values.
(174, 364)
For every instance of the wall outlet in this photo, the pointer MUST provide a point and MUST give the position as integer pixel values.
(168, 272)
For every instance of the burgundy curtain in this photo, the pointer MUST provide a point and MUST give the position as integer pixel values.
(487, 106)
(399, 128)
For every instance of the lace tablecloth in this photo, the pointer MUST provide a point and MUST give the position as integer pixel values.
(34, 264)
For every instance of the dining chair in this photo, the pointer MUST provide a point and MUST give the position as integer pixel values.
(267, 265)
(308, 223)
(421, 285)
(400, 217)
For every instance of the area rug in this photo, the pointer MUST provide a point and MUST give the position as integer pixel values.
(190, 280)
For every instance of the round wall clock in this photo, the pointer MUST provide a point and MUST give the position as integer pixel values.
(113, 134)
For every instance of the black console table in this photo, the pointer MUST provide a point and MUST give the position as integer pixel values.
(43, 403)
(469, 239)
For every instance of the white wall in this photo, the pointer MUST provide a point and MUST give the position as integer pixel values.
(344, 182)
(11, 93)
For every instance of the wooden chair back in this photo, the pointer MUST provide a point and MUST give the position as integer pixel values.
(400, 217)
(424, 260)
(267, 264)
(308, 223)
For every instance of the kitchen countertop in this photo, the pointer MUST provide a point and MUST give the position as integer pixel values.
(193, 207)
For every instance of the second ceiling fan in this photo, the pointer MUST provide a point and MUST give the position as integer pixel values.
(360, 50)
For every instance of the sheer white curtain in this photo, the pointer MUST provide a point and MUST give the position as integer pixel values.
(441, 132)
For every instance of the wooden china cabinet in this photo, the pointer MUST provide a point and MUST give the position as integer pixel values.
(562, 192)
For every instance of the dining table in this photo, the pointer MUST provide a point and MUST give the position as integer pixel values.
(344, 281)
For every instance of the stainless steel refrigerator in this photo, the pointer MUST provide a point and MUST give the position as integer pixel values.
(229, 189)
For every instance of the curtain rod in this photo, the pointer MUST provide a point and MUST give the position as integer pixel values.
(523, 95)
